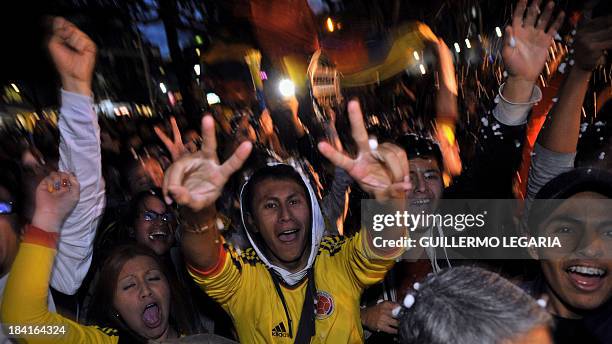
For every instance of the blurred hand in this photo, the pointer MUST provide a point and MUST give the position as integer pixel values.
(197, 179)
(593, 37)
(56, 197)
(175, 145)
(74, 55)
(382, 172)
(526, 42)
(447, 67)
(378, 318)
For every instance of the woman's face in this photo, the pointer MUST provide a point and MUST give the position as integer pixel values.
(154, 225)
(142, 298)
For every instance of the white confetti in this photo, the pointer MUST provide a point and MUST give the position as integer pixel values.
(571, 62)
(558, 37)
(485, 121)
(408, 301)
(542, 303)
(505, 74)
(602, 155)
(496, 100)
(373, 143)
(573, 32)
(562, 68)
(554, 100)
(517, 143)
(396, 311)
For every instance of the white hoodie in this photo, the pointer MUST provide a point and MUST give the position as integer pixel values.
(317, 229)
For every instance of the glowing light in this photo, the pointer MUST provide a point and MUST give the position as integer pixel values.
(163, 87)
(199, 40)
(330, 24)
(212, 98)
(196, 69)
(457, 47)
(416, 55)
(498, 31)
(422, 67)
(468, 44)
(15, 87)
(198, 51)
(263, 75)
(286, 88)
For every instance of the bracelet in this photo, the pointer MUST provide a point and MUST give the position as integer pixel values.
(203, 229)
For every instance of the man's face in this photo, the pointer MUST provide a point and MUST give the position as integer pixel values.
(154, 225)
(578, 273)
(9, 242)
(281, 214)
(426, 179)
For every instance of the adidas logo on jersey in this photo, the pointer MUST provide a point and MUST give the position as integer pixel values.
(280, 330)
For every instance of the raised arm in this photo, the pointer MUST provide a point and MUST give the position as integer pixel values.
(381, 171)
(561, 129)
(556, 144)
(74, 54)
(446, 109)
(195, 182)
(525, 52)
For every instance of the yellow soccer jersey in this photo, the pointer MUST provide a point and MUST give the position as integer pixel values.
(343, 269)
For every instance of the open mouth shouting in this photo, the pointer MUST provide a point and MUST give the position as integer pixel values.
(159, 235)
(151, 315)
(587, 276)
(288, 236)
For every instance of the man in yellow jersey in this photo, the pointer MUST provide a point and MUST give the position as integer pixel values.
(293, 285)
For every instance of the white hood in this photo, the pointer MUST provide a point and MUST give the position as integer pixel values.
(317, 228)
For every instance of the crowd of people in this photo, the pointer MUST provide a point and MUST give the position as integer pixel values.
(246, 227)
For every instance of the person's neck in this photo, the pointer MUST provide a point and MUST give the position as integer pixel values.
(292, 267)
(169, 333)
(558, 308)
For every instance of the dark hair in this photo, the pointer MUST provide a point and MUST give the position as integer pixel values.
(417, 146)
(11, 180)
(277, 172)
(565, 186)
(102, 311)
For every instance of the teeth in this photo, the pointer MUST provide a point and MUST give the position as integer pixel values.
(157, 235)
(289, 231)
(150, 305)
(586, 270)
(420, 201)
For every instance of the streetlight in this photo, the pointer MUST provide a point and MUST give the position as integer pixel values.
(196, 68)
(15, 87)
(468, 44)
(330, 24)
(163, 87)
(286, 88)
(498, 31)
(457, 47)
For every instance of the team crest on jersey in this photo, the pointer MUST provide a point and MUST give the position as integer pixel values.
(324, 306)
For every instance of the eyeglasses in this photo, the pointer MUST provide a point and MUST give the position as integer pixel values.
(150, 215)
(6, 208)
